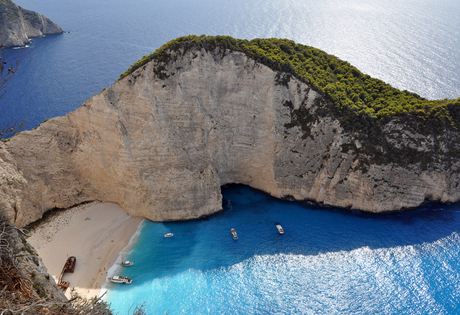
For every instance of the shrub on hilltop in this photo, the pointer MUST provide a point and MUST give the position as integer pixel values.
(358, 99)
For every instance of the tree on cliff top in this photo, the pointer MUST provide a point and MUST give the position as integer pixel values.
(358, 99)
(7, 71)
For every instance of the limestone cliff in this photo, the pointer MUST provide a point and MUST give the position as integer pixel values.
(18, 25)
(164, 139)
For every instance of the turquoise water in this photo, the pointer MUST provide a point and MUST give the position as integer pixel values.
(329, 261)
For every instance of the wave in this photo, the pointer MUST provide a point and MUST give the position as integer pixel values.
(402, 279)
(121, 257)
(25, 46)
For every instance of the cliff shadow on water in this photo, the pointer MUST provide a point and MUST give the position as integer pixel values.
(206, 245)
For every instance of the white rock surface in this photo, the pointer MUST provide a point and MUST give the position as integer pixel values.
(163, 148)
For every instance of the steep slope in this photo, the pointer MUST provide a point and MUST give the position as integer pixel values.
(23, 277)
(162, 140)
(18, 25)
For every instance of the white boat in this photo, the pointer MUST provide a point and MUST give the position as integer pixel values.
(280, 228)
(120, 279)
(234, 235)
(127, 263)
(168, 235)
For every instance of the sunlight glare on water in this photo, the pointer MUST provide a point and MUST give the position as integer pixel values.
(413, 45)
(386, 268)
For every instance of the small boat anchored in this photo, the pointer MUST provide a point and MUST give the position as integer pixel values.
(280, 228)
(234, 235)
(168, 235)
(127, 263)
(120, 279)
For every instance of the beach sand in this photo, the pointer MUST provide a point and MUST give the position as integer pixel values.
(94, 233)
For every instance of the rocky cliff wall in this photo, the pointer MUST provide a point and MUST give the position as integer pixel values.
(162, 141)
(23, 276)
(18, 25)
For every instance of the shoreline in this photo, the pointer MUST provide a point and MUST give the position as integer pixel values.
(121, 256)
(97, 234)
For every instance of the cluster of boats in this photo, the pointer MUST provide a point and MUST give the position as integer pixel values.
(120, 279)
(126, 263)
(235, 235)
(127, 280)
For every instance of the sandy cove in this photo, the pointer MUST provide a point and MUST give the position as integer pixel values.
(94, 233)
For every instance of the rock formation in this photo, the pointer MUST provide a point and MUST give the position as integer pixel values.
(23, 277)
(163, 140)
(18, 25)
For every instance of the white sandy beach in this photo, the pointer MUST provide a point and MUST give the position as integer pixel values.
(94, 233)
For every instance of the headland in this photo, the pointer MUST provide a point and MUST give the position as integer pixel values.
(202, 112)
(18, 25)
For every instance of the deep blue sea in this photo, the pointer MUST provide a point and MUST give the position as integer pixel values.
(329, 261)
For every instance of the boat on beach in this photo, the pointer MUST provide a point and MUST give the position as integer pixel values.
(68, 267)
(280, 228)
(127, 263)
(120, 279)
(168, 235)
(234, 235)
(70, 264)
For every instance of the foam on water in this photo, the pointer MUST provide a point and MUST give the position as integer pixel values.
(363, 281)
(116, 268)
(25, 46)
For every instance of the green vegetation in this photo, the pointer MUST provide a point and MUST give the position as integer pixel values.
(358, 99)
(28, 249)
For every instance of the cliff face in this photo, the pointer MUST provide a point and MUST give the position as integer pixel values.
(163, 140)
(23, 276)
(17, 25)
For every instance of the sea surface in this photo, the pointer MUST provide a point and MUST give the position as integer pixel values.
(329, 261)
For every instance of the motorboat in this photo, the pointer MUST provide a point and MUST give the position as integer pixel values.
(280, 228)
(168, 235)
(234, 235)
(120, 279)
(127, 263)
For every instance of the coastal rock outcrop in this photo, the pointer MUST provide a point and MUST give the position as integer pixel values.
(164, 139)
(23, 275)
(18, 25)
